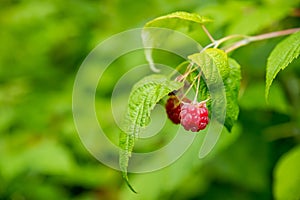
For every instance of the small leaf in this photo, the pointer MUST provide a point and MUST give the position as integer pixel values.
(143, 97)
(287, 176)
(159, 31)
(177, 20)
(221, 61)
(281, 56)
(217, 68)
(209, 58)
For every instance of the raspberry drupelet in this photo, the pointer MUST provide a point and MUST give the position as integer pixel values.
(194, 116)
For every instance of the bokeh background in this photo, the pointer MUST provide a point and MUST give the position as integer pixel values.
(42, 45)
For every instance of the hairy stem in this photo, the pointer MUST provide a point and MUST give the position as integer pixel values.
(250, 39)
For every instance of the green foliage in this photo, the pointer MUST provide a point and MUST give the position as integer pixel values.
(246, 17)
(278, 102)
(282, 55)
(287, 176)
(218, 70)
(143, 97)
(43, 43)
(40, 157)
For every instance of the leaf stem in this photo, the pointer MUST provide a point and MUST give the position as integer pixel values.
(197, 89)
(217, 43)
(187, 91)
(188, 70)
(250, 39)
(178, 68)
(128, 184)
(208, 34)
(207, 46)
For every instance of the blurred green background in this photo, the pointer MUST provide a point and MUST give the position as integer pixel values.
(42, 45)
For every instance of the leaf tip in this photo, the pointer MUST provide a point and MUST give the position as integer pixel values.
(267, 89)
(125, 177)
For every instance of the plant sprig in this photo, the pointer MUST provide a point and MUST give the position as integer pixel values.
(245, 38)
(213, 64)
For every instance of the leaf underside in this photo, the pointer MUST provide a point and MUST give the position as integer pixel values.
(281, 56)
(143, 97)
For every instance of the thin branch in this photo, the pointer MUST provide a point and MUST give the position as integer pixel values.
(208, 34)
(260, 37)
(207, 46)
(224, 39)
(274, 34)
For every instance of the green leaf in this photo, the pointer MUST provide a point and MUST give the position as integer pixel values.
(287, 176)
(143, 97)
(232, 87)
(217, 68)
(177, 20)
(207, 60)
(281, 56)
(161, 32)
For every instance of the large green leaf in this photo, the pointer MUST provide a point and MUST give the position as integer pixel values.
(281, 56)
(287, 176)
(219, 70)
(143, 97)
(177, 20)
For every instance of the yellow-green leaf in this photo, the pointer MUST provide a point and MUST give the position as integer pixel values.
(178, 19)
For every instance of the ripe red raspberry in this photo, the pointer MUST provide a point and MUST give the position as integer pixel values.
(194, 117)
(173, 108)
